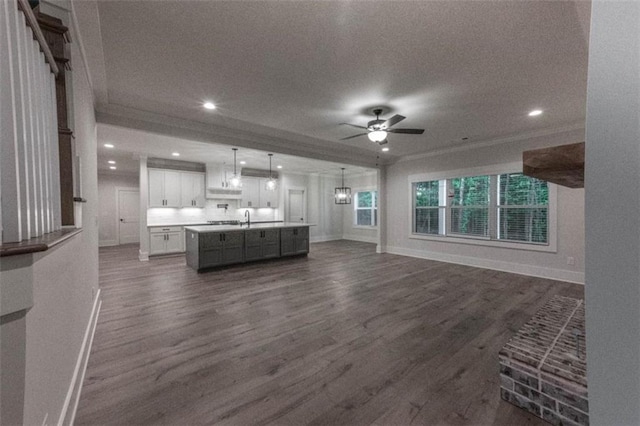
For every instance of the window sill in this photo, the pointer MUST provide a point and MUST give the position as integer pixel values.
(364, 227)
(549, 248)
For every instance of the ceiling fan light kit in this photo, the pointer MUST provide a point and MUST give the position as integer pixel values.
(343, 193)
(377, 130)
(377, 136)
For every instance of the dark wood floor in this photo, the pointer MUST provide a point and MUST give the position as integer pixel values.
(343, 336)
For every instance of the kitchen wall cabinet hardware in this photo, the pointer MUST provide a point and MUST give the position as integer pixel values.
(294, 241)
(261, 244)
(165, 240)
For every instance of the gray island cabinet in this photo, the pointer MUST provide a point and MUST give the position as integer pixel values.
(212, 245)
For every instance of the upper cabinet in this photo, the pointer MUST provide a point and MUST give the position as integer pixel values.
(250, 193)
(171, 188)
(255, 194)
(268, 198)
(164, 188)
(218, 176)
(192, 188)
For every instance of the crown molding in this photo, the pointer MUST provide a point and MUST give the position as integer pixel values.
(498, 141)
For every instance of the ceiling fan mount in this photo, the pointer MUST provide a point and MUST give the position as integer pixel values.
(378, 129)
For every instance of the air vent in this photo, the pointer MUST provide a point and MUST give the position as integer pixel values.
(257, 173)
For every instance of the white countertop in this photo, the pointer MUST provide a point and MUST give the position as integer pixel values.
(159, 225)
(218, 228)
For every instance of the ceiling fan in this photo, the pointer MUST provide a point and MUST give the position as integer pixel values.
(377, 129)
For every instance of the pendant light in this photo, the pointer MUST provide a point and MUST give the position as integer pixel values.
(343, 193)
(272, 183)
(235, 181)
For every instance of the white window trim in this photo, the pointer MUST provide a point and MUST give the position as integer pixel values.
(354, 217)
(496, 169)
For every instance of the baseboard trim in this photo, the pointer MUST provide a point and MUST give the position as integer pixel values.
(360, 238)
(497, 265)
(68, 413)
(107, 243)
(143, 256)
(325, 238)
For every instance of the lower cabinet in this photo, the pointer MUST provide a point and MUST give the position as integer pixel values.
(214, 249)
(210, 249)
(294, 241)
(261, 244)
(166, 240)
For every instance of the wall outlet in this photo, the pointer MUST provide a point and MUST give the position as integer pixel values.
(571, 260)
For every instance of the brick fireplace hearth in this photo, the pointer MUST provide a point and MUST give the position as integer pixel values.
(543, 367)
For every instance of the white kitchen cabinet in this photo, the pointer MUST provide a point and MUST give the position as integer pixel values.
(267, 198)
(192, 189)
(165, 240)
(164, 188)
(250, 193)
(255, 194)
(218, 176)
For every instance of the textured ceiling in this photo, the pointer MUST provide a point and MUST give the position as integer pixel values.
(292, 71)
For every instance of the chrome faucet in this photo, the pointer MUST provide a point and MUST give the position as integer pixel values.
(248, 216)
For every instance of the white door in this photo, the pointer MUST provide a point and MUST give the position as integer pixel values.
(128, 216)
(295, 209)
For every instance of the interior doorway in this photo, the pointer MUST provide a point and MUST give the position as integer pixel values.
(296, 208)
(128, 208)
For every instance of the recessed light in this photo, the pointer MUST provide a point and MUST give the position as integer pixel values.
(535, 112)
(108, 145)
(243, 162)
(112, 167)
(209, 105)
(279, 166)
(111, 162)
(385, 149)
(175, 154)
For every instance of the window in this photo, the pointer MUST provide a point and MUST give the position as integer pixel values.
(470, 206)
(366, 208)
(430, 202)
(522, 208)
(505, 207)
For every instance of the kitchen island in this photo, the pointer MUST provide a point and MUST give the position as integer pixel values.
(210, 246)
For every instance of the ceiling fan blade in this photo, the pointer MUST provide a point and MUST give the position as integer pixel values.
(408, 131)
(384, 142)
(354, 125)
(393, 120)
(354, 136)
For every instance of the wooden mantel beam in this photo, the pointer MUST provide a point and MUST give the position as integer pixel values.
(562, 165)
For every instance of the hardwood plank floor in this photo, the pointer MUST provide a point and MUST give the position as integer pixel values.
(343, 336)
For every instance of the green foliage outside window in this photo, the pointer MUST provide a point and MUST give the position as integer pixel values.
(518, 205)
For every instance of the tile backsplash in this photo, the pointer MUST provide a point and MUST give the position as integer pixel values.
(161, 216)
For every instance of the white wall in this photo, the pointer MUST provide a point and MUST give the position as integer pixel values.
(570, 227)
(612, 212)
(65, 279)
(108, 215)
(365, 182)
(321, 209)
